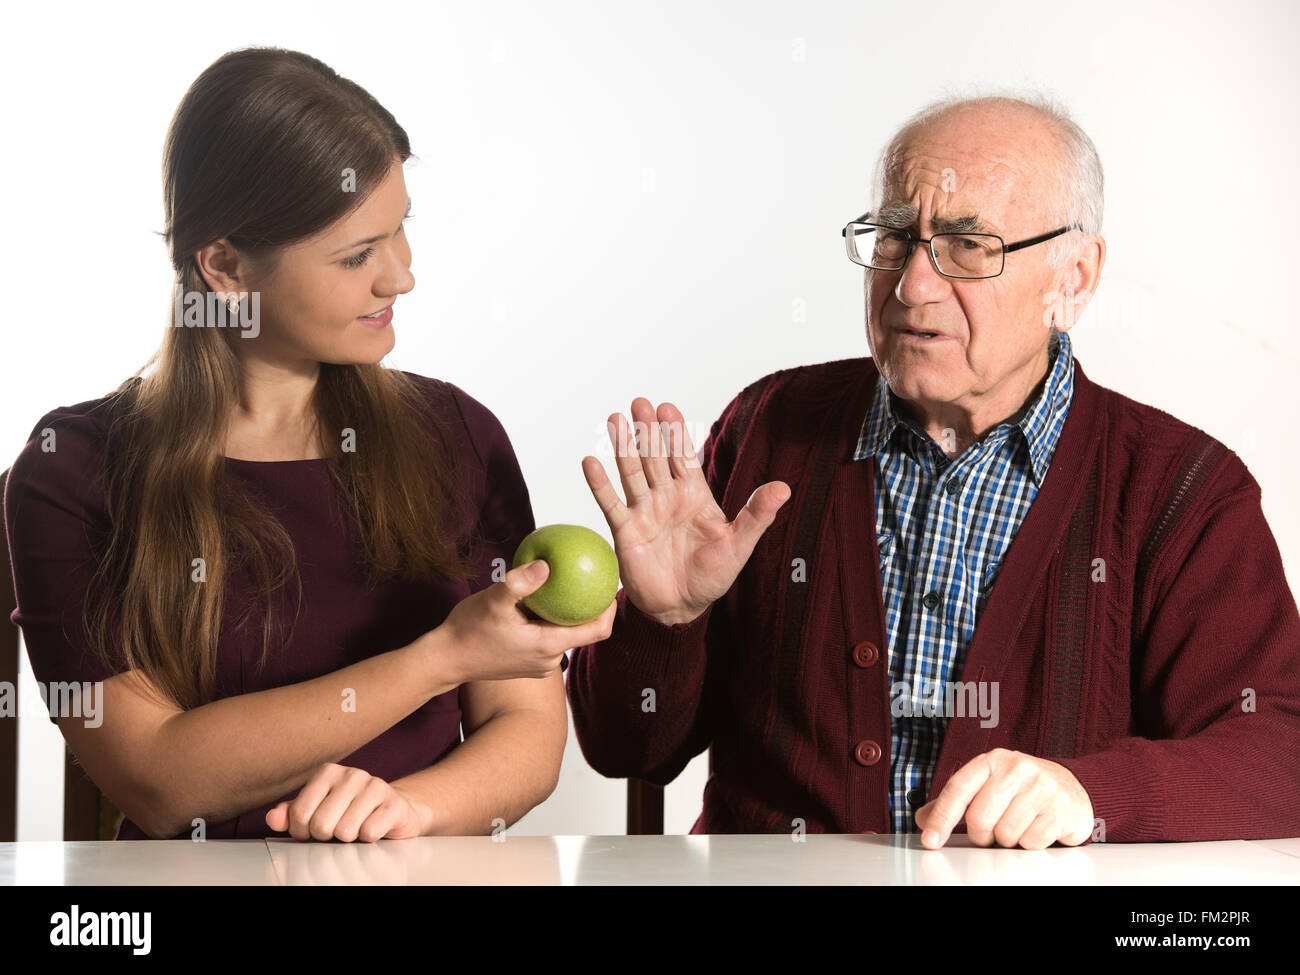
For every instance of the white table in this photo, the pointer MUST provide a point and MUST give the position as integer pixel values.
(644, 860)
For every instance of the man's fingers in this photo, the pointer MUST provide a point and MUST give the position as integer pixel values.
(681, 451)
(950, 805)
(1002, 815)
(606, 497)
(759, 510)
(654, 461)
(995, 797)
(1041, 833)
(635, 486)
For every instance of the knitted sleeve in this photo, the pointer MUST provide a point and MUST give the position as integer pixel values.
(640, 700)
(1216, 686)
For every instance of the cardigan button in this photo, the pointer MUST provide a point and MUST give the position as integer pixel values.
(865, 654)
(867, 752)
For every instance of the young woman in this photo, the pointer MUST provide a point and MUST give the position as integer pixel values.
(284, 561)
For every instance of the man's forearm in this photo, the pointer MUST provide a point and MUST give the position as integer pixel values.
(501, 771)
(610, 685)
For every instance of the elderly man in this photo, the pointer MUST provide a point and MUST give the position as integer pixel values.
(1002, 597)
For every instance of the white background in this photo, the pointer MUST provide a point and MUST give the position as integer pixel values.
(682, 171)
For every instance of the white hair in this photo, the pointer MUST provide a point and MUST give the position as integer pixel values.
(1077, 177)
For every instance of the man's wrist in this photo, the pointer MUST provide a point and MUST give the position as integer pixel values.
(674, 617)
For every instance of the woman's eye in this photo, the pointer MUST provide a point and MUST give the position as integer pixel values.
(364, 256)
(359, 259)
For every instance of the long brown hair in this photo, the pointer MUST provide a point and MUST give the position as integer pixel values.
(254, 154)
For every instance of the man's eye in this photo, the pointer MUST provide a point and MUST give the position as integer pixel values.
(359, 259)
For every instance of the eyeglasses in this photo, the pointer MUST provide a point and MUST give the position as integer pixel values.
(885, 248)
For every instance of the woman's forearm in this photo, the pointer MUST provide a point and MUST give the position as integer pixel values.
(238, 753)
(500, 772)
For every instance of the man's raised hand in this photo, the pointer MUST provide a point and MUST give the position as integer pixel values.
(677, 552)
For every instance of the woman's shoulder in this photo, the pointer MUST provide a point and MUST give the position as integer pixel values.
(74, 434)
(62, 456)
(479, 423)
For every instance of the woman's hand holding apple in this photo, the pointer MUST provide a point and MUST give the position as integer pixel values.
(488, 636)
(677, 553)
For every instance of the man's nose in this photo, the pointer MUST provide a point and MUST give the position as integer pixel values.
(920, 280)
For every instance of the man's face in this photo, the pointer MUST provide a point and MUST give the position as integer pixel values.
(991, 331)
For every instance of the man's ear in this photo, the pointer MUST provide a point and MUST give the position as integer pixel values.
(1086, 271)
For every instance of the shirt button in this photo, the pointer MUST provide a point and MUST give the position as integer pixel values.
(930, 600)
(916, 797)
(867, 752)
(953, 485)
(865, 654)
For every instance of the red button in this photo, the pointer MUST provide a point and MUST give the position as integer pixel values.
(867, 753)
(865, 654)
(870, 831)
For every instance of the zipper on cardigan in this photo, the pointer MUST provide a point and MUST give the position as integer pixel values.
(1169, 514)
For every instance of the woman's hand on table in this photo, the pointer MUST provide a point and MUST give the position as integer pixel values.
(340, 802)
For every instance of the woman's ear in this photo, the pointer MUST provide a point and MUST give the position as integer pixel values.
(221, 266)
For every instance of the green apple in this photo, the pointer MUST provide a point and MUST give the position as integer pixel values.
(583, 578)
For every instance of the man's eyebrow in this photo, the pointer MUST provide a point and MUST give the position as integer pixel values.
(371, 240)
(904, 215)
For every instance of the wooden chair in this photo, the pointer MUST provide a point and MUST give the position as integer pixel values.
(645, 806)
(87, 813)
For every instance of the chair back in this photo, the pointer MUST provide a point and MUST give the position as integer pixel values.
(645, 805)
(8, 679)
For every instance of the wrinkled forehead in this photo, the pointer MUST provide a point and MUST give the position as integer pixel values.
(958, 179)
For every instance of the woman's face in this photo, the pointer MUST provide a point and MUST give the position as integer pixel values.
(312, 302)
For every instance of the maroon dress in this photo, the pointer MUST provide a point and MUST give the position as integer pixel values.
(53, 509)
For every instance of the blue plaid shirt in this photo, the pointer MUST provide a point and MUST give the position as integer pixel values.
(942, 526)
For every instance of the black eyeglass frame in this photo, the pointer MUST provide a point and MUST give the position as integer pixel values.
(912, 241)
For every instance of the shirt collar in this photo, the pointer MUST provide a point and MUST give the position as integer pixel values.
(1039, 423)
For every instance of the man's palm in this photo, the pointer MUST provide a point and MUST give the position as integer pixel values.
(677, 552)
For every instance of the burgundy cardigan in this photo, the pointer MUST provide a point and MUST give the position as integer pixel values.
(1170, 686)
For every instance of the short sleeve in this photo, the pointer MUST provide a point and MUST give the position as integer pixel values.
(505, 512)
(54, 518)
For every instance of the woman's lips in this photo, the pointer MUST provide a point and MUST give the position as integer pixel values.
(379, 321)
